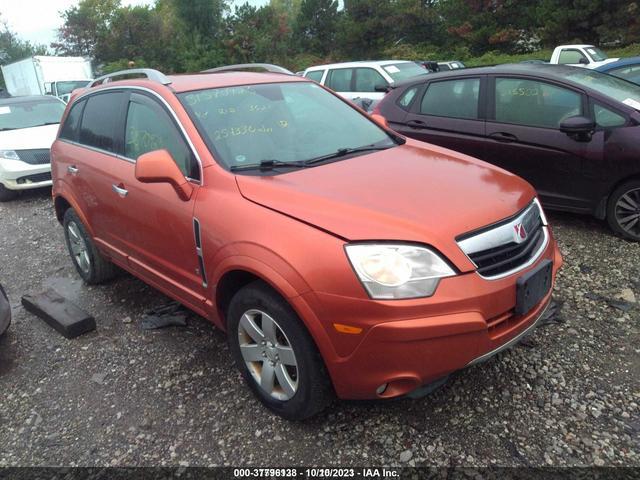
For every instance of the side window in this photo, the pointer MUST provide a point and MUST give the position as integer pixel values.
(100, 120)
(72, 122)
(568, 57)
(367, 79)
(452, 98)
(149, 128)
(607, 118)
(407, 97)
(534, 103)
(316, 75)
(339, 80)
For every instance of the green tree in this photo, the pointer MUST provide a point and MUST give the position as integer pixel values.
(316, 26)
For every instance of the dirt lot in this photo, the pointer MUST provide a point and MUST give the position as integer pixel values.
(125, 396)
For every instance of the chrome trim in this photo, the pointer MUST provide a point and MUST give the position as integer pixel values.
(503, 235)
(120, 191)
(150, 73)
(510, 343)
(197, 237)
(164, 102)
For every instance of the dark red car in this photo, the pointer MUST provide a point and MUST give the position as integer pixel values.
(573, 133)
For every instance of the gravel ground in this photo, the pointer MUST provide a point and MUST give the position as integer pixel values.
(124, 396)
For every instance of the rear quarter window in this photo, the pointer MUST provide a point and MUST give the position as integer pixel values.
(70, 128)
(316, 75)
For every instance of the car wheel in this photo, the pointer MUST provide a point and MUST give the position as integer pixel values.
(6, 194)
(275, 353)
(623, 212)
(89, 262)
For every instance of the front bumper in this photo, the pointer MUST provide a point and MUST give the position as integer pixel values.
(410, 343)
(18, 175)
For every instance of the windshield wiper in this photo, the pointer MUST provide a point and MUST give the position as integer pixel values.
(266, 165)
(46, 123)
(341, 152)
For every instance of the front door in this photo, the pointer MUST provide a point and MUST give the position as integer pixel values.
(524, 137)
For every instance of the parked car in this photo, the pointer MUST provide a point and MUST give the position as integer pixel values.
(369, 79)
(580, 56)
(573, 133)
(28, 127)
(450, 65)
(338, 256)
(625, 68)
(5, 311)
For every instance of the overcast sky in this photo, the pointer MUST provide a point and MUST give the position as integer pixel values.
(37, 20)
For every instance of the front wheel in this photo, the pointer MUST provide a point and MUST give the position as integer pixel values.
(275, 353)
(6, 194)
(623, 212)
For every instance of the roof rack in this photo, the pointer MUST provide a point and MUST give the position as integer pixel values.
(151, 74)
(250, 66)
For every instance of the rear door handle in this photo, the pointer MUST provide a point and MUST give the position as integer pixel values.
(504, 137)
(416, 124)
(120, 190)
(72, 169)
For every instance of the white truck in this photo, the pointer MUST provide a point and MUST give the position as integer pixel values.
(46, 75)
(580, 56)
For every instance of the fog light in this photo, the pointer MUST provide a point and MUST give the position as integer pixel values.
(380, 390)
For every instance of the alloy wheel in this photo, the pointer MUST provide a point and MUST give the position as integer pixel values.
(627, 212)
(268, 354)
(79, 249)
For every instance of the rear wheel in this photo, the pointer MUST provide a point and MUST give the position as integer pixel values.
(623, 212)
(89, 262)
(6, 194)
(275, 353)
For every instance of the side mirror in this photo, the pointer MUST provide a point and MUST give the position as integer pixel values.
(578, 127)
(583, 61)
(158, 167)
(380, 120)
(381, 88)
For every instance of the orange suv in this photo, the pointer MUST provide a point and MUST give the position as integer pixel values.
(341, 258)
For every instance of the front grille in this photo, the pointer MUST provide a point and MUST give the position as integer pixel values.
(501, 248)
(35, 178)
(40, 156)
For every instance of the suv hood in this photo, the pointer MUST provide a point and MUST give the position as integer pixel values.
(414, 192)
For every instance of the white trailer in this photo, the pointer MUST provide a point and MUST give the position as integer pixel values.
(45, 75)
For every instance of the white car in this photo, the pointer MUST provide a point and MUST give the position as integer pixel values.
(587, 56)
(363, 79)
(28, 127)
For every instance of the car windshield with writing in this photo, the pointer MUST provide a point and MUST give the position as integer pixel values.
(614, 87)
(280, 125)
(27, 114)
(403, 71)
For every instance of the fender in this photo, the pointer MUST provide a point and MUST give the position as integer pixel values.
(61, 190)
(279, 283)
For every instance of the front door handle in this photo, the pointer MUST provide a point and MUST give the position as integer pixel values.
(120, 190)
(504, 137)
(72, 169)
(416, 124)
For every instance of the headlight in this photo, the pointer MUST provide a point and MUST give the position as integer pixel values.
(397, 271)
(9, 154)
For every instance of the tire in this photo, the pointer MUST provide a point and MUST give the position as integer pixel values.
(623, 210)
(6, 194)
(89, 262)
(309, 390)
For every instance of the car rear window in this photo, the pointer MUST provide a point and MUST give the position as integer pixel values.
(286, 122)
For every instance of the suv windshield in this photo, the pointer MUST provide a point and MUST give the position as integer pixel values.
(68, 87)
(279, 122)
(614, 87)
(403, 71)
(26, 114)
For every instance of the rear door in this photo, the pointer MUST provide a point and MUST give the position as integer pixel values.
(448, 112)
(523, 136)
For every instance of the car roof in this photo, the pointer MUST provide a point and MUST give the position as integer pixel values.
(28, 98)
(577, 45)
(360, 63)
(543, 70)
(623, 62)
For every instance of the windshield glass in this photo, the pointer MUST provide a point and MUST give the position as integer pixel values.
(283, 122)
(25, 114)
(608, 85)
(402, 71)
(597, 54)
(68, 87)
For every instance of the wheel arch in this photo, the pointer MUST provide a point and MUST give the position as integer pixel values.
(603, 205)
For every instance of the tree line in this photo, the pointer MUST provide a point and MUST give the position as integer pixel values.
(192, 35)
